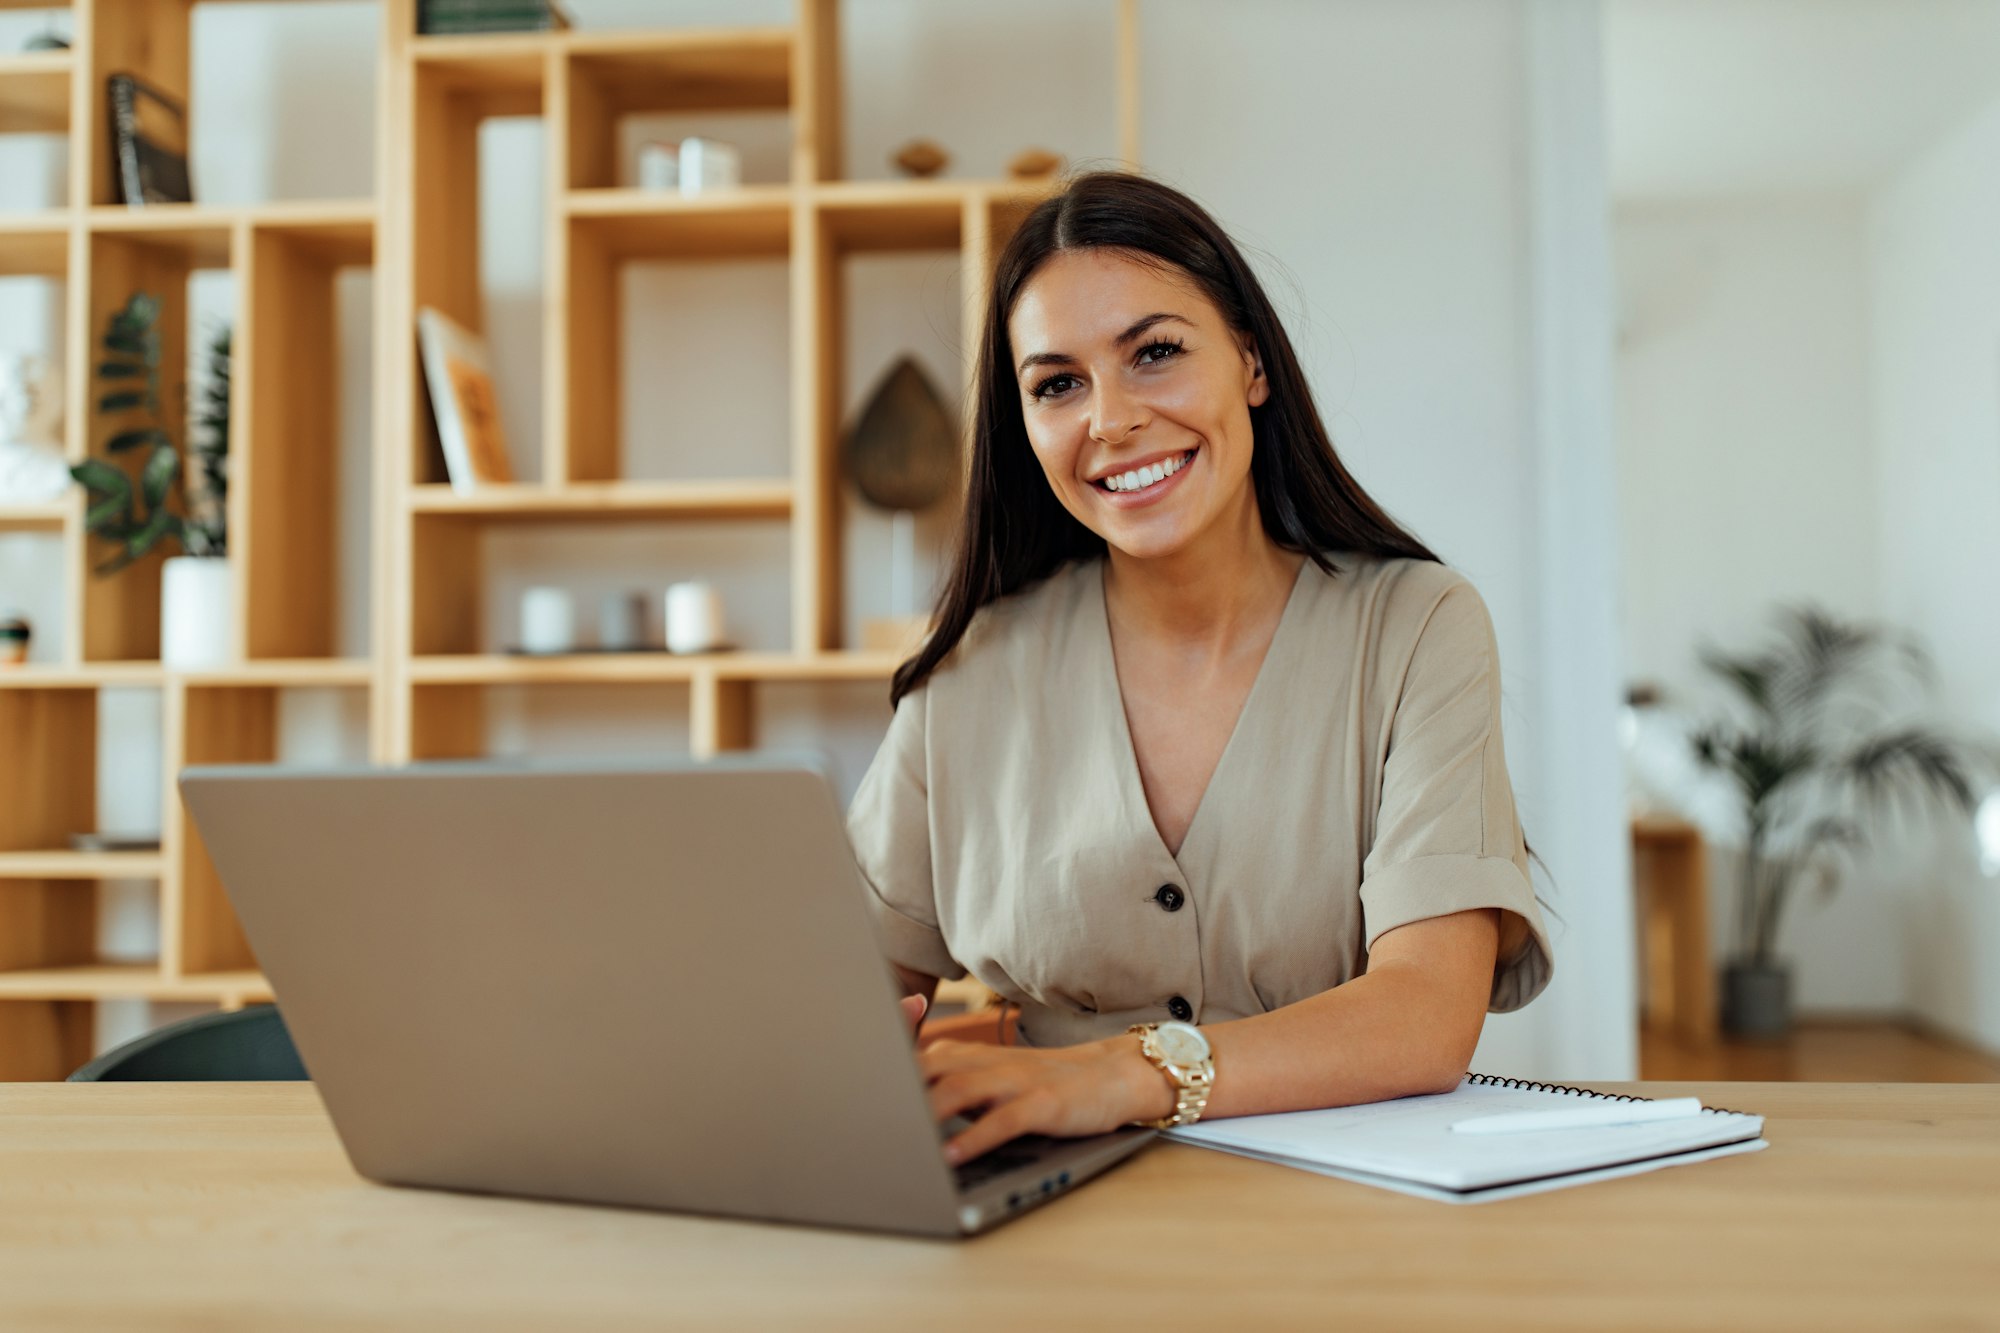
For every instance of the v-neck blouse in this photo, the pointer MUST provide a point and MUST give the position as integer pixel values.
(1002, 828)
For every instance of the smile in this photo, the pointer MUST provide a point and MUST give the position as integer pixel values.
(1145, 479)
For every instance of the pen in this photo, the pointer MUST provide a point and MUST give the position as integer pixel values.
(1580, 1117)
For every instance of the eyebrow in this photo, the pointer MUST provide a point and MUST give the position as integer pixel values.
(1138, 327)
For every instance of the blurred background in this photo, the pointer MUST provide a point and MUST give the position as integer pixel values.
(1675, 324)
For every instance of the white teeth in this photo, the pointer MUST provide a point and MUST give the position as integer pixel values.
(1147, 476)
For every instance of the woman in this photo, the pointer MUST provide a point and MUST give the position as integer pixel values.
(1202, 736)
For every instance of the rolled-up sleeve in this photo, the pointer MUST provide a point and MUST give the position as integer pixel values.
(889, 826)
(1447, 837)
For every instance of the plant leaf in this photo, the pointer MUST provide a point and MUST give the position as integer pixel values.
(100, 478)
(149, 534)
(110, 517)
(120, 370)
(161, 469)
(119, 402)
(132, 439)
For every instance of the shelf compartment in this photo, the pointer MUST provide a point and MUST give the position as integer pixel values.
(285, 465)
(709, 69)
(490, 74)
(141, 252)
(80, 865)
(609, 76)
(751, 498)
(48, 787)
(34, 92)
(206, 724)
(31, 246)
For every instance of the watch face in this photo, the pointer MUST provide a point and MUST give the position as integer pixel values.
(1182, 1043)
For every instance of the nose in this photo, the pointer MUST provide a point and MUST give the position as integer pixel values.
(1114, 413)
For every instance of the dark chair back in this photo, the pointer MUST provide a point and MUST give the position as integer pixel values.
(247, 1045)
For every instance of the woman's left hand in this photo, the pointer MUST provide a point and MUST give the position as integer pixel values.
(1063, 1091)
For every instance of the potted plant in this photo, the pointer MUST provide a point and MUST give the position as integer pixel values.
(167, 503)
(1814, 760)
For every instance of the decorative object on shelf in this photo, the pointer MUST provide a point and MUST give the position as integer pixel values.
(621, 622)
(903, 455)
(114, 842)
(548, 621)
(659, 166)
(15, 635)
(48, 39)
(196, 589)
(694, 618)
(709, 164)
(458, 373)
(437, 17)
(149, 142)
(920, 158)
(31, 452)
(1816, 757)
(1032, 163)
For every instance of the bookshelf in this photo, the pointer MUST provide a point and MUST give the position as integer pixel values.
(426, 677)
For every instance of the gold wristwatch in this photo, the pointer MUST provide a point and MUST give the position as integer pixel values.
(1182, 1054)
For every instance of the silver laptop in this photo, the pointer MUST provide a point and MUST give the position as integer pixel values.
(653, 985)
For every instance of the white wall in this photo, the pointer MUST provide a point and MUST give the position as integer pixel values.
(1376, 154)
(1936, 297)
(1747, 480)
(1376, 151)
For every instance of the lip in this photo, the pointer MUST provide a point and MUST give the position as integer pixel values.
(1140, 499)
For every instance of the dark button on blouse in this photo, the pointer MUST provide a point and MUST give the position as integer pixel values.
(1180, 1009)
(1170, 898)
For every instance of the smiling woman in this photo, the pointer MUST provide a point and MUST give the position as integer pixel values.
(1202, 766)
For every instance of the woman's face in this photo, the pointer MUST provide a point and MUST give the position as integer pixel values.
(1126, 368)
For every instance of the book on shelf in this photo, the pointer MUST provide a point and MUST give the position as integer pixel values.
(148, 143)
(438, 17)
(459, 375)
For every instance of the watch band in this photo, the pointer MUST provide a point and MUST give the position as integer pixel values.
(1192, 1083)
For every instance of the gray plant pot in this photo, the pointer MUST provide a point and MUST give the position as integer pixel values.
(1756, 999)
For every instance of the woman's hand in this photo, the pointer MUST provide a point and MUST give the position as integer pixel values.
(914, 1009)
(1065, 1091)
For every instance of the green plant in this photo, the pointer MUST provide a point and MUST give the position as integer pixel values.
(1818, 759)
(138, 517)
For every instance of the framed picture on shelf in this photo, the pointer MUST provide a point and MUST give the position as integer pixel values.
(460, 379)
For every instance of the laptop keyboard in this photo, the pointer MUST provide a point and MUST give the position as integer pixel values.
(1012, 1156)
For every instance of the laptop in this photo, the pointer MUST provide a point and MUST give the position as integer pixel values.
(654, 985)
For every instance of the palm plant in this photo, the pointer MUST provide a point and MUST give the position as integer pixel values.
(1816, 758)
(138, 518)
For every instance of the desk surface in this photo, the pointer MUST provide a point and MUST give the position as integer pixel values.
(220, 1206)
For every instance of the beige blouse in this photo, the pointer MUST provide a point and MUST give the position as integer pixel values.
(1004, 831)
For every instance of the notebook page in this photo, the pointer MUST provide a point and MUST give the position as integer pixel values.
(1410, 1138)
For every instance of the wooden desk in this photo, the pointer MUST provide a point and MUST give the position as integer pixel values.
(218, 1206)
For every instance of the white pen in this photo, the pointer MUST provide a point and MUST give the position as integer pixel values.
(1580, 1117)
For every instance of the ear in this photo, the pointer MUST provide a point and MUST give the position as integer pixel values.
(1258, 389)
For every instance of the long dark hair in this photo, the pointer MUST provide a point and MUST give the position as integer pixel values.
(1015, 531)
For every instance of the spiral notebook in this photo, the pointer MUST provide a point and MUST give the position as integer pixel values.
(1407, 1144)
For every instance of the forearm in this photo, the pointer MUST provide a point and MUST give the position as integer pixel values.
(1407, 1025)
(1390, 1033)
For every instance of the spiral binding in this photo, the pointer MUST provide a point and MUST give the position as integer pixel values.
(1529, 1085)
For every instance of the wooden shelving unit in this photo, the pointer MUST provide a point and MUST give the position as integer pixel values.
(428, 673)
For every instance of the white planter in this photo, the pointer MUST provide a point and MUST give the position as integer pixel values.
(196, 595)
